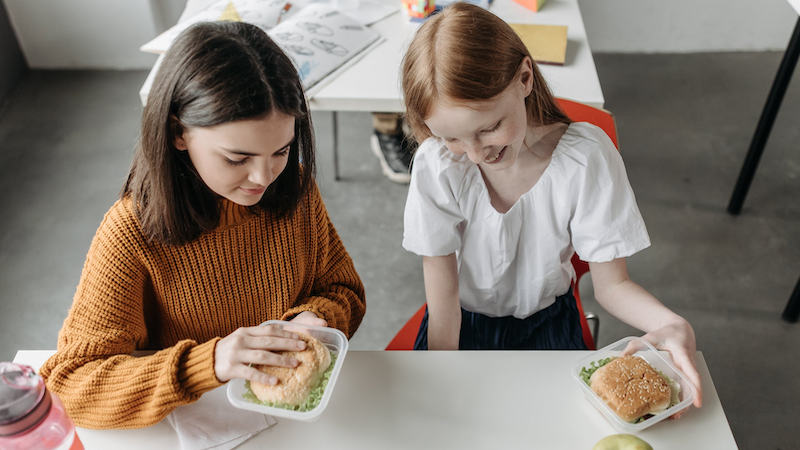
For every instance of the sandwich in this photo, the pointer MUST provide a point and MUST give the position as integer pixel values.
(632, 388)
(295, 383)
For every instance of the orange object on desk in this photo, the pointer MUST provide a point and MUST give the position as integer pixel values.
(419, 9)
(533, 5)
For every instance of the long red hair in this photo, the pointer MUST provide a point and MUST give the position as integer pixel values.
(467, 53)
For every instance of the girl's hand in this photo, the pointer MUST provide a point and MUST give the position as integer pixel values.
(309, 318)
(678, 339)
(254, 345)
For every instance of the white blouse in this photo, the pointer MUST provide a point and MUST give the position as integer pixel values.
(515, 264)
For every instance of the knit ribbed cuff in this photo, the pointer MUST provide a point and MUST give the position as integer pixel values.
(324, 308)
(196, 369)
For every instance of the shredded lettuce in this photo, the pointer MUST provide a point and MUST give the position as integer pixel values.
(586, 373)
(311, 402)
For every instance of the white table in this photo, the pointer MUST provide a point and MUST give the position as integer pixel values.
(372, 83)
(460, 400)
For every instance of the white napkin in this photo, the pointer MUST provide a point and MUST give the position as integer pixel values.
(212, 423)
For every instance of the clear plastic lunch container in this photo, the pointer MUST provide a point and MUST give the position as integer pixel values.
(336, 342)
(659, 360)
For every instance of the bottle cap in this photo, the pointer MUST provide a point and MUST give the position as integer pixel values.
(24, 399)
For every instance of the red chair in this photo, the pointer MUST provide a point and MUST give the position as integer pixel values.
(578, 112)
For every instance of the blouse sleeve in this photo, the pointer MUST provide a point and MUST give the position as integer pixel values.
(93, 371)
(432, 215)
(606, 223)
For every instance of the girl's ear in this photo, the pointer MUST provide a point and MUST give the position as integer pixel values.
(526, 75)
(180, 142)
(178, 134)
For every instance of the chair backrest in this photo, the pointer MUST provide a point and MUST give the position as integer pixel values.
(581, 112)
(578, 112)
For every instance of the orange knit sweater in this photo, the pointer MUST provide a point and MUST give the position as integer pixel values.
(180, 300)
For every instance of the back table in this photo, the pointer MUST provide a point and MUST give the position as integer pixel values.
(372, 83)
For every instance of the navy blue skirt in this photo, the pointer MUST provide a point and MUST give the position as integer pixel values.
(557, 327)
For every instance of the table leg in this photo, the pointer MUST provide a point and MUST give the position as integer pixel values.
(335, 146)
(792, 311)
(765, 122)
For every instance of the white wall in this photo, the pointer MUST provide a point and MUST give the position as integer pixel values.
(677, 26)
(107, 33)
(83, 33)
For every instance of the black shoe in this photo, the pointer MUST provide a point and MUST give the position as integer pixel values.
(394, 152)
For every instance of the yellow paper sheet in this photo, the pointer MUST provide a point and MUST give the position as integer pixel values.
(547, 43)
(230, 14)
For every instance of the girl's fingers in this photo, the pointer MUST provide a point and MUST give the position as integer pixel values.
(309, 318)
(633, 347)
(270, 330)
(689, 369)
(265, 358)
(317, 322)
(253, 374)
(273, 343)
(678, 414)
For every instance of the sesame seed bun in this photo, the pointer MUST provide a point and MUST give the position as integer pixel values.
(295, 383)
(631, 387)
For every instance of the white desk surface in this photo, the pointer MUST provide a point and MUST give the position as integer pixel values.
(460, 400)
(372, 83)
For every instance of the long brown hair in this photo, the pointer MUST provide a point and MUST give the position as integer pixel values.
(467, 53)
(213, 73)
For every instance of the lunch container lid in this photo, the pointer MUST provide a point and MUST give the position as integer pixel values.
(337, 343)
(660, 360)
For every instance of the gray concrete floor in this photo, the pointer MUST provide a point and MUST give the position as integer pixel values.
(685, 122)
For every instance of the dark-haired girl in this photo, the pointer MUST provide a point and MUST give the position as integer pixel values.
(219, 228)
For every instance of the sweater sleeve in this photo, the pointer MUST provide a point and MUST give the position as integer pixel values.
(93, 371)
(337, 294)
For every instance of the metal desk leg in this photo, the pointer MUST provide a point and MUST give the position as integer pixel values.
(335, 147)
(792, 311)
(765, 122)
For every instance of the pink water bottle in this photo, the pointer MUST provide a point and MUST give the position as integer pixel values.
(31, 418)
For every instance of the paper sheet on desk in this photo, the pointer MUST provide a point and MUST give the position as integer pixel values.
(212, 423)
(547, 43)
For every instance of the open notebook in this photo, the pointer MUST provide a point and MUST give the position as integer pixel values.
(265, 14)
(319, 39)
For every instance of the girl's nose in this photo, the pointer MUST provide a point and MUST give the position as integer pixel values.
(261, 174)
(476, 152)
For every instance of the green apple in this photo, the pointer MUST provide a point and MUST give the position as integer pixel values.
(621, 442)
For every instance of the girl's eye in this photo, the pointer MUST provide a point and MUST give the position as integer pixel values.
(283, 152)
(236, 163)
(489, 130)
